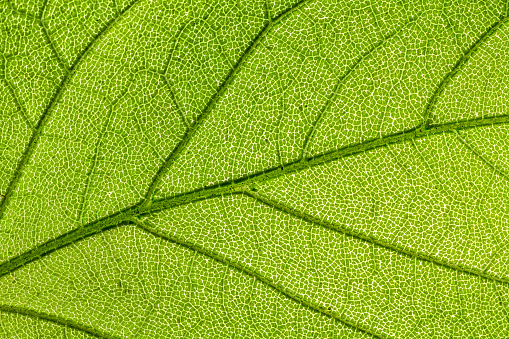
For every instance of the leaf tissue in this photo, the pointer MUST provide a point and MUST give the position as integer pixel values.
(254, 169)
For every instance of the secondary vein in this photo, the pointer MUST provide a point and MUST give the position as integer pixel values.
(214, 99)
(50, 107)
(341, 81)
(254, 273)
(239, 186)
(56, 320)
(366, 238)
(459, 64)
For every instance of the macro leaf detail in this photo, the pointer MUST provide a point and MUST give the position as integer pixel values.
(282, 169)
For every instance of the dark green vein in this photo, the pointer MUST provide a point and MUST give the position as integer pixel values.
(254, 273)
(340, 81)
(481, 156)
(21, 109)
(214, 99)
(366, 238)
(21, 12)
(52, 46)
(39, 20)
(52, 103)
(238, 185)
(92, 166)
(427, 118)
(242, 185)
(56, 320)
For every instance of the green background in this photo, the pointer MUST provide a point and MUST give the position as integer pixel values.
(244, 169)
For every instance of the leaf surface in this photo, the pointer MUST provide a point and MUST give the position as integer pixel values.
(254, 169)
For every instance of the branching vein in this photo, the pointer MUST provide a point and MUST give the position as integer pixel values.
(366, 238)
(254, 273)
(242, 185)
(482, 157)
(427, 118)
(21, 109)
(50, 107)
(215, 98)
(341, 81)
(56, 320)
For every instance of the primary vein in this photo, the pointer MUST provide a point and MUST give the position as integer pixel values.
(214, 99)
(242, 185)
(50, 107)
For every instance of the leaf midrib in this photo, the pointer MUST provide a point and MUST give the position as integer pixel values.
(240, 185)
(148, 206)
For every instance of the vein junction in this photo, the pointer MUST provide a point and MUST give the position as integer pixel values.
(244, 185)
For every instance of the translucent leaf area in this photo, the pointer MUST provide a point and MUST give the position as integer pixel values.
(254, 169)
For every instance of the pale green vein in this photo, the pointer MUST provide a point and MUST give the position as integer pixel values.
(9, 156)
(501, 303)
(190, 282)
(173, 98)
(48, 37)
(50, 107)
(227, 316)
(90, 172)
(254, 273)
(501, 246)
(57, 320)
(282, 97)
(21, 12)
(481, 156)
(165, 70)
(148, 140)
(115, 6)
(53, 47)
(341, 81)
(215, 98)
(442, 187)
(145, 318)
(21, 109)
(2, 327)
(427, 118)
(267, 11)
(369, 239)
(249, 302)
(40, 22)
(139, 126)
(241, 185)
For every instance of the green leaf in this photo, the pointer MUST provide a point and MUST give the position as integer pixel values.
(311, 168)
